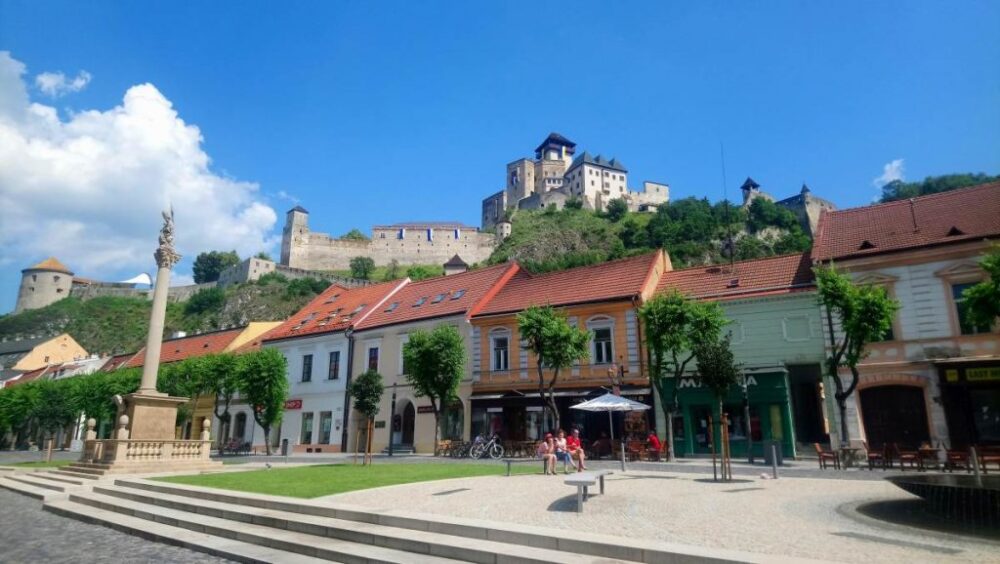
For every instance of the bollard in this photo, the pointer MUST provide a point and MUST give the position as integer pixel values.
(774, 460)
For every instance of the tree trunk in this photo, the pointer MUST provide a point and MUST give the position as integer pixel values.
(267, 439)
(845, 439)
(670, 434)
(437, 430)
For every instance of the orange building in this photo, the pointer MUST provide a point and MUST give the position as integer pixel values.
(602, 299)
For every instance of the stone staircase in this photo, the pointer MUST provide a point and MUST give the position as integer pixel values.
(258, 528)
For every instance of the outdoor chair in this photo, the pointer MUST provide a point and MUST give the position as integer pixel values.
(826, 456)
(443, 449)
(635, 450)
(957, 459)
(904, 456)
(652, 454)
(987, 456)
(875, 456)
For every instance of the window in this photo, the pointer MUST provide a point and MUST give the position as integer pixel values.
(438, 298)
(458, 294)
(307, 368)
(373, 358)
(603, 353)
(392, 307)
(401, 234)
(325, 422)
(419, 302)
(500, 353)
(334, 372)
(430, 235)
(306, 437)
(965, 324)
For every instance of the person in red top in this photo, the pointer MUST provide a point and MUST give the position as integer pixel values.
(575, 450)
(654, 443)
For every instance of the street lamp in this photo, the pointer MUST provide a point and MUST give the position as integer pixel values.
(392, 418)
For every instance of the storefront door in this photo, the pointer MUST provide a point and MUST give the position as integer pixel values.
(894, 414)
(409, 416)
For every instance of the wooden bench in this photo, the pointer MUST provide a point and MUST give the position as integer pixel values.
(582, 481)
(509, 461)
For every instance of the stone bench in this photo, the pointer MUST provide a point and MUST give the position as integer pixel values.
(583, 481)
(509, 461)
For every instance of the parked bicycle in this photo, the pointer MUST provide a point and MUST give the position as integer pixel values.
(486, 446)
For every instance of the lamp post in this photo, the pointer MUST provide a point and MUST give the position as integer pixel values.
(392, 418)
(746, 417)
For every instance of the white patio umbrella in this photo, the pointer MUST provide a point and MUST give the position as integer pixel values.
(611, 403)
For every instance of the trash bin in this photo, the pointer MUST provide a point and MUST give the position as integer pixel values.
(284, 447)
(775, 448)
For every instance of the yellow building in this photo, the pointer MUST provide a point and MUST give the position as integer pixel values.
(32, 354)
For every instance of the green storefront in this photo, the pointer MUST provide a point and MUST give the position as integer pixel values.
(770, 414)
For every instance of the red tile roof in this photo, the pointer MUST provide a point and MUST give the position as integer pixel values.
(936, 219)
(441, 296)
(336, 309)
(28, 376)
(767, 276)
(182, 348)
(615, 280)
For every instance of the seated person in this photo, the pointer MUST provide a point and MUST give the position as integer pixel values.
(654, 442)
(562, 453)
(602, 446)
(575, 450)
(547, 452)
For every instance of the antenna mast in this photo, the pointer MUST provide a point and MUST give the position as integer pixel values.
(725, 202)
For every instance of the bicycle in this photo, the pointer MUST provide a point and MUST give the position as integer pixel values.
(486, 447)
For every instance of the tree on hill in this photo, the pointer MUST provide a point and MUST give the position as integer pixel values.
(673, 326)
(865, 315)
(263, 256)
(899, 190)
(355, 235)
(205, 300)
(209, 265)
(422, 272)
(556, 346)
(392, 271)
(435, 363)
(616, 210)
(362, 267)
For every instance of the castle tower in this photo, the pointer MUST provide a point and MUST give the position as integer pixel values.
(295, 237)
(42, 284)
(750, 189)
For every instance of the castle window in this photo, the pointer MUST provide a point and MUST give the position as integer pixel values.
(59, 290)
(55, 278)
(430, 235)
(381, 235)
(34, 278)
(401, 233)
(457, 235)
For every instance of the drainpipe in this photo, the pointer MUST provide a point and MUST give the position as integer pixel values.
(349, 333)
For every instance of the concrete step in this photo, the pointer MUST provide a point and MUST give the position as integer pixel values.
(236, 550)
(84, 468)
(59, 477)
(72, 474)
(281, 539)
(30, 490)
(419, 542)
(38, 480)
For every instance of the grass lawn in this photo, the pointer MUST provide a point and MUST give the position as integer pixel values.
(329, 479)
(43, 464)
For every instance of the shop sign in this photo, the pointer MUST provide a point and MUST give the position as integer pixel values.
(380, 424)
(293, 404)
(694, 383)
(494, 410)
(951, 375)
(982, 374)
(425, 409)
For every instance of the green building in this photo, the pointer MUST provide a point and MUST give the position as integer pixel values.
(777, 335)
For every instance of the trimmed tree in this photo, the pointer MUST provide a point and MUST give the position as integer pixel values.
(362, 267)
(556, 345)
(982, 301)
(366, 390)
(435, 363)
(222, 379)
(673, 325)
(264, 387)
(864, 315)
(718, 371)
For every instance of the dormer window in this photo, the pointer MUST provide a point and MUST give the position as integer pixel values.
(332, 299)
(734, 283)
(865, 245)
(954, 231)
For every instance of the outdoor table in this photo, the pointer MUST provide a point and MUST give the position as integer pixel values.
(848, 456)
(929, 453)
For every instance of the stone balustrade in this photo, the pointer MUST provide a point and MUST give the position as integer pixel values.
(145, 451)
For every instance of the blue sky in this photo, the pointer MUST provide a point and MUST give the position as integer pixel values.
(369, 113)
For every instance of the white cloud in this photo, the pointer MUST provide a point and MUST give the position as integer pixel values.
(89, 189)
(56, 84)
(893, 170)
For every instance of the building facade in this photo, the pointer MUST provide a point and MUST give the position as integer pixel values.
(776, 334)
(935, 378)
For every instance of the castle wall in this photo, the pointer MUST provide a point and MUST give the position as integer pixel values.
(494, 208)
(40, 288)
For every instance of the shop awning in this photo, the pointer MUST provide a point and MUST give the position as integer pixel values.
(557, 393)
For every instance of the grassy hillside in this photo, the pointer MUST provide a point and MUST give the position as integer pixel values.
(692, 230)
(117, 325)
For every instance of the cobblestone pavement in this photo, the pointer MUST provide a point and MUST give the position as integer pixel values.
(29, 535)
(810, 518)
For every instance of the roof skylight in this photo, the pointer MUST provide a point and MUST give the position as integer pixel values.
(457, 294)
(438, 298)
(420, 302)
(392, 307)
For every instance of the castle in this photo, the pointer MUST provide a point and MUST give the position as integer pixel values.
(406, 243)
(805, 205)
(555, 176)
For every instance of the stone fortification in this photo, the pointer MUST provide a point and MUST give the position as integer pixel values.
(406, 243)
(253, 268)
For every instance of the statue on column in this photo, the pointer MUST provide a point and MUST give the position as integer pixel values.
(166, 256)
